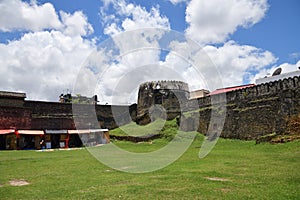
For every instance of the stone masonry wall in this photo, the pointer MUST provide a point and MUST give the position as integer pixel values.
(169, 95)
(250, 112)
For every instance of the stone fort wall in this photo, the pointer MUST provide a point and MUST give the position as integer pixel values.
(170, 95)
(250, 112)
(272, 107)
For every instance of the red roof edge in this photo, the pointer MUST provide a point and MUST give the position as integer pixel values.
(228, 89)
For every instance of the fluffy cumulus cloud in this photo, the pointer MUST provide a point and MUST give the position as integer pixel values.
(230, 63)
(46, 60)
(129, 27)
(18, 15)
(76, 24)
(42, 64)
(235, 62)
(217, 67)
(213, 21)
(132, 17)
(48, 57)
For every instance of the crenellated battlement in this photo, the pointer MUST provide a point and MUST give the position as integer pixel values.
(170, 85)
(168, 94)
(265, 89)
(251, 93)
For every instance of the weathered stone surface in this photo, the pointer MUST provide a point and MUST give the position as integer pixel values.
(250, 113)
(253, 112)
(170, 95)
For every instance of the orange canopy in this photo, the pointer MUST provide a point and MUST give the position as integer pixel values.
(7, 131)
(79, 131)
(30, 132)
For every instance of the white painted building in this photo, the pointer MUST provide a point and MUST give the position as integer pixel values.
(277, 77)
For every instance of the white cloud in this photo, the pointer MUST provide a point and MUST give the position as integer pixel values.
(76, 24)
(227, 65)
(236, 61)
(214, 20)
(132, 17)
(177, 1)
(23, 16)
(129, 28)
(42, 62)
(112, 29)
(119, 79)
(18, 15)
(217, 67)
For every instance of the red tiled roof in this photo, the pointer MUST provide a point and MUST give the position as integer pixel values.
(228, 89)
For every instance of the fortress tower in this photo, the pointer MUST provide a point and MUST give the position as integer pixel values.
(161, 99)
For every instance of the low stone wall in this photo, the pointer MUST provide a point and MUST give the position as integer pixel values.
(136, 139)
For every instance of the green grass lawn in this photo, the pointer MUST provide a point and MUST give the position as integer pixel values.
(250, 171)
(234, 169)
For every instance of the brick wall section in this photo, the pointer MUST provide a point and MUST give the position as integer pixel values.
(50, 115)
(15, 117)
(40, 115)
(12, 111)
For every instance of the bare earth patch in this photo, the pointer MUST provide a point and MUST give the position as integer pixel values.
(18, 182)
(217, 179)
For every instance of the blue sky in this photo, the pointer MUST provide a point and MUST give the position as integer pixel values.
(277, 32)
(48, 41)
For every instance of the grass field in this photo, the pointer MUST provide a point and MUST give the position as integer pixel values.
(233, 170)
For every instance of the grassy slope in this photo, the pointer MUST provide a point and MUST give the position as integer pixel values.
(254, 171)
(153, 128)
